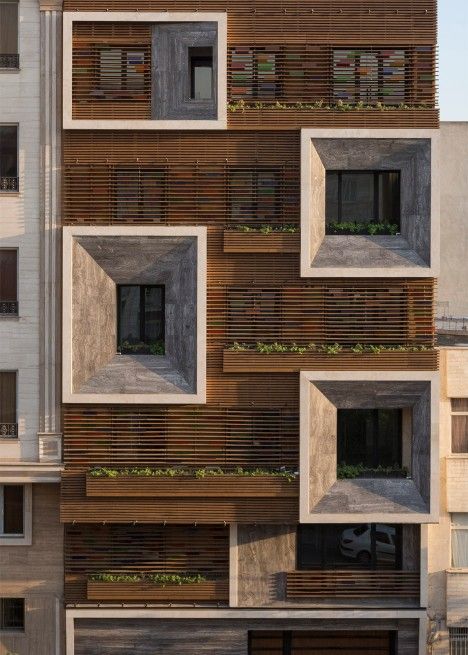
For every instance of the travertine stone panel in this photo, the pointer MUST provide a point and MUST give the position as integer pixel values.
(457, 373)
(323, 445)
(265, 554)
(457, 593)
(94, 315)
(215, 637)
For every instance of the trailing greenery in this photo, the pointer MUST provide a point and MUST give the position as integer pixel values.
(350, 471)
(155, 348)
(154, 578)
(172, 472)
(241, 105)
(324, 348)
(265, 228)
(361, 228)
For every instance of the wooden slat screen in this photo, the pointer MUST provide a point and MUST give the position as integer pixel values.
(170, 436)
(352, 584)
(323, 21)
(121, 549)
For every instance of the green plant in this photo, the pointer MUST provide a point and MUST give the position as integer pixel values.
(330, 348)
(350, 471)
(327, 348)
(242, 105)
(157, 348)
(154, 578)
(354, 227)
(198, 473)
(266, 228)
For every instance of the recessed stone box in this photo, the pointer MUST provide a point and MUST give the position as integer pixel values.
(326, 499)
(413, 252)
(95, 262)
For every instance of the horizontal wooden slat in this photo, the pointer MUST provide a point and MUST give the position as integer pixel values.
(228, 486)
(352, 584)
(244, 242)
(76, 506)
(240, 362)
(321, 20)
(216, 590)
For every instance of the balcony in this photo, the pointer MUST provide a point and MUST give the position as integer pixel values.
(9, 60)
(154, 563)
(159, 496)
(329, 493)
(145, 70)
(113, 275)
(412, 251)
(353, 585)
(9, 184)
(8, 430)
(8, 308)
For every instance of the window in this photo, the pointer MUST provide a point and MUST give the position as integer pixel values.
(460, 541)
(337, 546)
(8, 282)
(141, 319)
(254, 195)
(371, 437)
(9, 57)
(458, 638)
(255, 73)
(140, 193)
(201, 73)
(8, 425)
(8, 158)
(11, 510)
(369, 76)
(459, 425)
(363, 197)
(121, 71)
(12, 614)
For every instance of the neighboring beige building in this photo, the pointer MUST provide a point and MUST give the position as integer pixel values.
(31, 544)
(448, 540)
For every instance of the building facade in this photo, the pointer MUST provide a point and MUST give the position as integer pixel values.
(31, 541)
(231, 251)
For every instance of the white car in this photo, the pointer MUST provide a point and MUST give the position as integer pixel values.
(355, 543)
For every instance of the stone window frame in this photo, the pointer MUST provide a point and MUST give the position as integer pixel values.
(70, 17)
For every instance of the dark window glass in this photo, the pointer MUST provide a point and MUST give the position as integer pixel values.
(9, 34)
(12, 614)
(340, 546)
(363, 197)
(201, 73)
(7, 399)
(141, 315)
(371, 437)
(121, 71)
(13, 511)
(8, 275)
(8, 157)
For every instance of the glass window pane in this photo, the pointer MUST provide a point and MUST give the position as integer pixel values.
(8, 28)
(12, 613)
(357, 197)
(110, 67)
(389, 197)
(135, 70)
(460, 548)
(154, 314)
(129, 314)
(13, 509)
(8, 151)
(201, 73)
(460, 520)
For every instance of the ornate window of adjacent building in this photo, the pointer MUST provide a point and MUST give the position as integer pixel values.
(8, 282)
(9, 57)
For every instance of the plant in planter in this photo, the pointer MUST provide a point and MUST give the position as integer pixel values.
(198, 473)
(162, 579)
(356, 228)
(351, 471)
(140, 348)
(241, 105)
(324, 348)
(265, 228)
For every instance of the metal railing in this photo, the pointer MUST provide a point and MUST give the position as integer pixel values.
(8, 308)
(9, 60)
(9, 184)
(8, 430)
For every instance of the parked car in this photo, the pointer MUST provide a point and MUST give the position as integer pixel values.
(356, 543)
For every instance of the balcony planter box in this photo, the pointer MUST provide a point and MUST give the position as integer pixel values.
(210, 590)
(246, 242)
(352, 584)
(279, 119)
(230, 486)
(238, 361)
